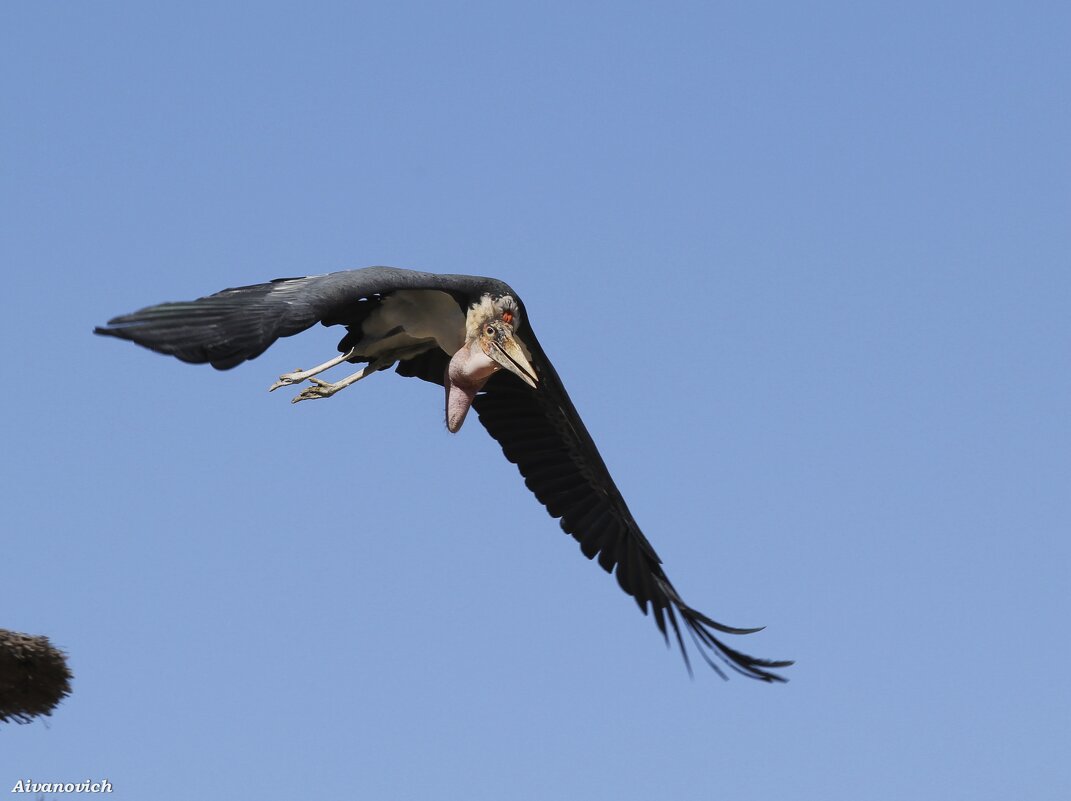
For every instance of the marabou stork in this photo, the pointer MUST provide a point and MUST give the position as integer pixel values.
(470, 335)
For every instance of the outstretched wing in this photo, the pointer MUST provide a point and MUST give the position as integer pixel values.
(235, 325)
(541, 432)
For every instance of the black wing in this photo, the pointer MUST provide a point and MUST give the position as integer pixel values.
(232, 326)
(541, 432)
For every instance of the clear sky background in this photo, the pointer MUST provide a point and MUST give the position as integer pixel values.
(804, 269)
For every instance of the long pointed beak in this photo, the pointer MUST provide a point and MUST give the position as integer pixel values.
(508, 353)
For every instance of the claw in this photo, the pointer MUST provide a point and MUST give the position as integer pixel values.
(286, 379)
(319, 389)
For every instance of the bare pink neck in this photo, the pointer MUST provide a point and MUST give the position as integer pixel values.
(466, 374)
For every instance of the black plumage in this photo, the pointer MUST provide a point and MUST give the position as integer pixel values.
(538, 429)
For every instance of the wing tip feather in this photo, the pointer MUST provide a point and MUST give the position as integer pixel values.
(700, 629)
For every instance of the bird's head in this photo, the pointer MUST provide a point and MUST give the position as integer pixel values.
(491, 344)
(498, 341)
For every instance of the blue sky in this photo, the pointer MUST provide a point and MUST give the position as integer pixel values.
(803, 269)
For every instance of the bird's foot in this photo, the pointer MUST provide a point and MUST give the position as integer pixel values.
(286, 379)
(319, 389)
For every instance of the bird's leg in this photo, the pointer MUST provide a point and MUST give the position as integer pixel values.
(324, 389)
(298, 376)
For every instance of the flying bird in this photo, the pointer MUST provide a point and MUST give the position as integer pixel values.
(472, 336)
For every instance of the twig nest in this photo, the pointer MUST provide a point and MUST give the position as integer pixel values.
(34, 676)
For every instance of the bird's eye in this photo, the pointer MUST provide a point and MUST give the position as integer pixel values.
(490, 331)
